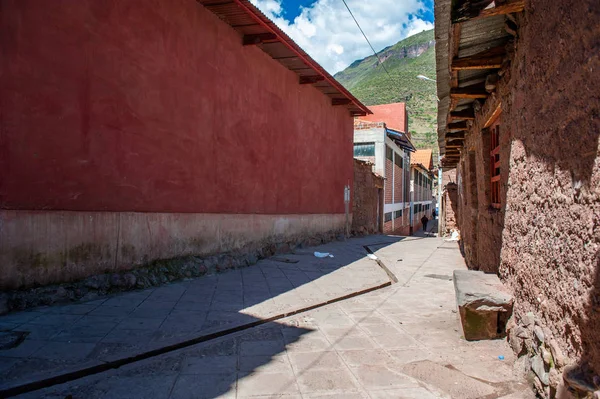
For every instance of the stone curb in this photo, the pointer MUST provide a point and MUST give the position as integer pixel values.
(391, 275)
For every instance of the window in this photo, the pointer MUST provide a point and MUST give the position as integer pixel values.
(388, 217)
(364, 150)
(389, 153)
(398, 160)
(495, 164)
(398, 214)
(415, 208)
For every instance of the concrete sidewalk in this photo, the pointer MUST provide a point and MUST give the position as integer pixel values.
(403, 341)
(65, 339)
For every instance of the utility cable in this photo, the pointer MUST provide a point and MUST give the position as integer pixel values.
(367, 39)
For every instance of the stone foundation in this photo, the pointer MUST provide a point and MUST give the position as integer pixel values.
(40, 248)
(152, 274)
(542, 362)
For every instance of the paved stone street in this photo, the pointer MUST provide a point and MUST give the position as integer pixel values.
(401, 341)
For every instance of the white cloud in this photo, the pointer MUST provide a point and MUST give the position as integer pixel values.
(327, 32)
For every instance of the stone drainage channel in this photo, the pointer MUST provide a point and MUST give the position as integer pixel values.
(115, 364)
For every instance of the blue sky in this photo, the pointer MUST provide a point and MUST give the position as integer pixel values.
(291, 8)
(325, 29)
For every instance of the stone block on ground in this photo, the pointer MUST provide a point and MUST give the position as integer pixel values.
(484, 304)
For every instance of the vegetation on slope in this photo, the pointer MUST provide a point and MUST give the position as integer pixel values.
(369, 82)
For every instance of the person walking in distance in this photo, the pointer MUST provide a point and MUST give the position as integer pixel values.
(424, 220)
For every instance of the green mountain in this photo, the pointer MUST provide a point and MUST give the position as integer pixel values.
(368, 81)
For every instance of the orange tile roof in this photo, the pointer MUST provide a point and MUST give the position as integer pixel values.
(423, 157)
(393, 115)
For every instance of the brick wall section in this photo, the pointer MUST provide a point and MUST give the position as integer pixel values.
(389, 167)
(388, 227)
(544, 242)
(365, 198)
(398, 196)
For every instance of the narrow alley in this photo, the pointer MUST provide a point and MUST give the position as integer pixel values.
(335, 199)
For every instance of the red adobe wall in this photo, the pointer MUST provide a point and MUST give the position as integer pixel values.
(155, 106)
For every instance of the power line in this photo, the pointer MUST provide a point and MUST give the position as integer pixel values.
(363, 33)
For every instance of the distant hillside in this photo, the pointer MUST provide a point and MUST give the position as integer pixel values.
(413, 56)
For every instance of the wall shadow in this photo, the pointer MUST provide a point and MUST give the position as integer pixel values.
(215, 306)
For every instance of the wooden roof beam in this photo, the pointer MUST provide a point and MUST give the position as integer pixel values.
(450, 141)
(455, 136)
(304, 80)
(489, 59)
(476, 9)
(251, 40)
(340, 101)
(509, 7)
(467, 114)
(467, 92)
(457, 126)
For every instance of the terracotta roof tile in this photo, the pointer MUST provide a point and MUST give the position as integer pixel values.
(393, 115)
(423, 157)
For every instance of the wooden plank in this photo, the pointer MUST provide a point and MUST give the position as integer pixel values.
(508, 7)
(489, 59)
(250, 40)
(454, 45)
(476, 9)
(468, 93)
(304, 80)
(496, 178)
(340, 101)
(467, 114)
(495, 114)
(457, 126)
(471, 63)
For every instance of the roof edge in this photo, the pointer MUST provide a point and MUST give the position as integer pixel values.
(256, 14)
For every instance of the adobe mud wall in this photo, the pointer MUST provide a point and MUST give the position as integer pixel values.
(449, 205)
(544, 242)
(131, 123)
(367, 200)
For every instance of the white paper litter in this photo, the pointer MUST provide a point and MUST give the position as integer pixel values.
(454, 237)
(323, 255)
(371, 256)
